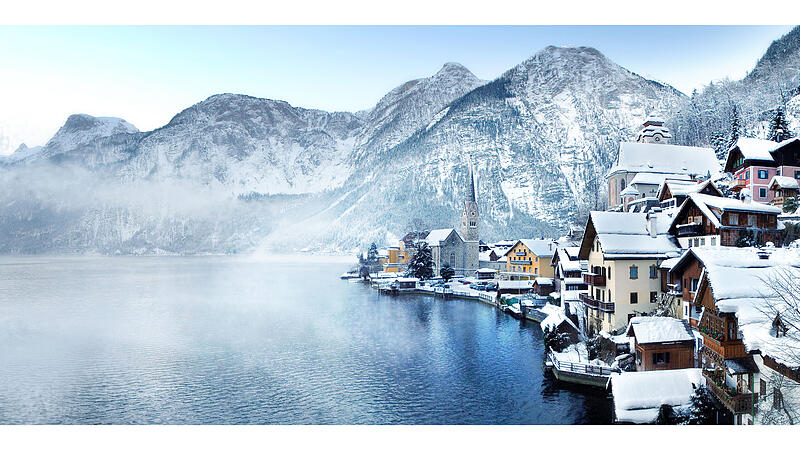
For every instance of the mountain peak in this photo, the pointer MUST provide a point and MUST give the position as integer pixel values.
(85, 122)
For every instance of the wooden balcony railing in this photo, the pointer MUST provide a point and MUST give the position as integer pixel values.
(606, 306)
(738, 184)
(588, 301)
(690, 229)
(737, 403)
(594, 279)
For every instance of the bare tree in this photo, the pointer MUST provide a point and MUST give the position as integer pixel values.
(780, 404)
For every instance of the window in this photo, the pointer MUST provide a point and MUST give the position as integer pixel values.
(690, 243)
(733, 218)
(763, 388)
(762, 192)
(634, 298)
(797, 174)
(634, 273)
(452, 260)
(731, 330)
(747, 175)
(697, 242)
(762, 174)
(653, 272)
(661, 358)
(609, 273)
(713, 241)
(653, 296)
(639, 357)
(702, 241)
(695, 281)
(777, 398)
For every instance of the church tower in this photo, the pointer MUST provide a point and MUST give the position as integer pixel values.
(653, 131)
(469, 228)
(469, 216)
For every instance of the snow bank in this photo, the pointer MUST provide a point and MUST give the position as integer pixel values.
(639, 395)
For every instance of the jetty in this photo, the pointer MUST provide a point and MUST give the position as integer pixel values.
(577, 372)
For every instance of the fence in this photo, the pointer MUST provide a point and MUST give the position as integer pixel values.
(574, 367)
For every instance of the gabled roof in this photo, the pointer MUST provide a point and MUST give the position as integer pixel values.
(657, 178)
(626, 235)
(543, 248)
(639, 395)
(654, 330)
(708, 204)
(782, 182)
(435, 237)
(754, 150)
(665, 158)
(683, 188)
(749, 287)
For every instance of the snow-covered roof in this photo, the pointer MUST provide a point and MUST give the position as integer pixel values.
(657, 178)
(543, 248)
(543, 281)
(683, 187)
(669, 263)
(486, 270)
(758, 149)
(566, 261)
(652, 330)
(408, 279)
(665, 158)
(783, 182)
(744, 284)
(555, 316)
(639, 395)
(708, 202)
(626, 235)
(438, 235)
(629, 191)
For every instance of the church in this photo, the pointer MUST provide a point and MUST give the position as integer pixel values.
(459, 250)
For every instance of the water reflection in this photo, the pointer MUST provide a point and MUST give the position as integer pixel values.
(235, 340)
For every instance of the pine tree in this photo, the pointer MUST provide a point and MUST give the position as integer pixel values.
(447, 272)
(372, 258)
(790, 205)
(779, 127)
(702, 411)
(421, 265)
(736, 126)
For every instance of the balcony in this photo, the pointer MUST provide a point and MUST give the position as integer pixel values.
(738, 403)
(606, 307)
(594, 279)
(588, 301)
(690, 229)
(739, 184)
(674, 289)
(726, 349)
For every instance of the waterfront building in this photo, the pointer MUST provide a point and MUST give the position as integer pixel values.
(718, 221)
(531, 258)
(782, 188)
(397, 259)
(755, 162)
(661, 343)
(749, 355)
(460, 250)
(623, 251)
(652, 155)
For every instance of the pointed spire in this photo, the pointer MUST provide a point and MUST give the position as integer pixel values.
(471, 197)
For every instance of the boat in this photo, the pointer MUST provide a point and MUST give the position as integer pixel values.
(349, 276)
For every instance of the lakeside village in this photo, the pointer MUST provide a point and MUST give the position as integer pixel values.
(682, 299)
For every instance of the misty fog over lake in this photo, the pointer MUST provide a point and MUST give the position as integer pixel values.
(278, 340)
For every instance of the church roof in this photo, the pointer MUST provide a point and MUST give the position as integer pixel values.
(665, 158)
(471, 189)
(437, 236)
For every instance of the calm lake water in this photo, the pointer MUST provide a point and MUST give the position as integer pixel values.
(235, 340)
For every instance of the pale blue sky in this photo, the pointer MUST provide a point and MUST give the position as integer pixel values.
(148, 74)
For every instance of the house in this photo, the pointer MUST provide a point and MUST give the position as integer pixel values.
(782, 188)
(755, 162)
(543, 286)
(567, 273)
(661, 343)
(492, 259)
(672, 193)
(652, 154)
(710, 220)
(623, 251)
(459, 250)
(530, 257)
(639, 395)
(749, 355)
(397, 259)
(485, 274)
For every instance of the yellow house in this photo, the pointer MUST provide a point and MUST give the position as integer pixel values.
(397, 259)
(530, 258)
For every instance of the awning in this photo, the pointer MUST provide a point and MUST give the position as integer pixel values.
(738, 366)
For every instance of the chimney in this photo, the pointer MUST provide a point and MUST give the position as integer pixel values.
(652, 224)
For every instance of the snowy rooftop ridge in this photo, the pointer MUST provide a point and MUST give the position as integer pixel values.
(652, 329)
(627, 235)
(666, 159)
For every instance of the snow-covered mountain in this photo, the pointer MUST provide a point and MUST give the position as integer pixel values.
(234, 172)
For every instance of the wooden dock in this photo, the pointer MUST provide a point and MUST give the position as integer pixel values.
(581, 373)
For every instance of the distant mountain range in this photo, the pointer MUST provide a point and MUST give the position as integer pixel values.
(235, 173)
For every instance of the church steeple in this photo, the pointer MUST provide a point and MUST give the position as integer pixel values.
(470, 215)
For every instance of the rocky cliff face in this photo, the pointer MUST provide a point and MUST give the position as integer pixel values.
(233, 172)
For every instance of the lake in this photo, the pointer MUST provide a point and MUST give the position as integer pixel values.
(244, 340)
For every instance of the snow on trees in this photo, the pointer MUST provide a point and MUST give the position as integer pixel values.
(421, 265)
